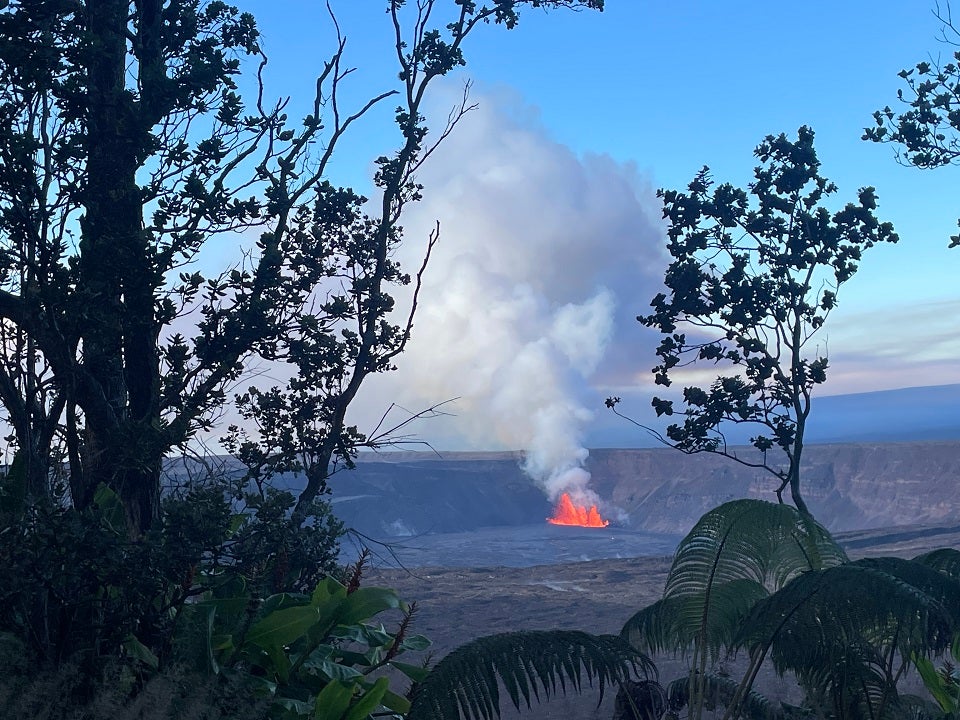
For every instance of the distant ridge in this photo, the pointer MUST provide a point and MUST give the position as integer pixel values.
(905, 414)
(918, 413)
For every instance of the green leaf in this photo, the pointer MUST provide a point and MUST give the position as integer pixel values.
(137, 650)
(282, 627)
(417, 673)
(332, 702)
(397, 703)
(336, 671)
(370, 700)
(327, 590)
(416, 643)
(111, 508)
(350, 657)
(935, 684)
(280, 663)
(364, 603)
(283, 600)
(367, 634)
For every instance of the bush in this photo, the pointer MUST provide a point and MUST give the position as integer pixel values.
(87, 605)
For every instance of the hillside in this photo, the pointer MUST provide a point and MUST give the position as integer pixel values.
(848, 486)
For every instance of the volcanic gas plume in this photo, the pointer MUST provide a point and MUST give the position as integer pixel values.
(538, 267)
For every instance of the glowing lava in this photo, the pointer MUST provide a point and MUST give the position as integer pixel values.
(569, 514)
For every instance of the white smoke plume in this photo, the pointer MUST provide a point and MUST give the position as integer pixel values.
(545, 259)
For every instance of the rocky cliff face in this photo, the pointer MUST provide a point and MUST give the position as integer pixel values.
(848, 487)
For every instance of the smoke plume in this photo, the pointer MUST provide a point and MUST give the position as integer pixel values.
(530, 299)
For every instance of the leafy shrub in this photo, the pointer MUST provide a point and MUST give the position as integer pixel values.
(80, 594)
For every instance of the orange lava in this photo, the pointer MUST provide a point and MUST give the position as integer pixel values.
(569, 514)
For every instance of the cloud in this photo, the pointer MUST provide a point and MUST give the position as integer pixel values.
(530, 300)
(528, 313)
(893, 347)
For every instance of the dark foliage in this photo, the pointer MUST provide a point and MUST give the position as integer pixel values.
(754, 275)
(78, 584)
(466, 683)
(640, 700)
(927, 131)
(721, 691)
(126, 149)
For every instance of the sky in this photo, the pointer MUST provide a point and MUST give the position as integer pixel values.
(552, 239)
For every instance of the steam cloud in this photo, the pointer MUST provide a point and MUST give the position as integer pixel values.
(545, 258)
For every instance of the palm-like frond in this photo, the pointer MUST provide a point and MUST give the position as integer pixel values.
(467, 681)
(732, 557)
(766, 542)
(813, 548)
(674, 624)
(819, 618)
(855, 687)
(720, 690)
(657, 628)
(946, 560)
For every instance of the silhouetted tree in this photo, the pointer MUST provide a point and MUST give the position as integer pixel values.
(754, 275)
(928, 132)
(125, 150)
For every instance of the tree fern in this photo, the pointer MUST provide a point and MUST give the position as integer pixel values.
(946, 560)
(466, 683)
(841, 630)
(766, 542)
(734, 556)
(720, 691)
(673, 624)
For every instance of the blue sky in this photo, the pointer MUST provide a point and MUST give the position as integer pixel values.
(641, 96)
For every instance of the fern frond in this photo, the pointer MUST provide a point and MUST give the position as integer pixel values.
(719, 691)
(734, 556)
(657, 628)
(674, 624)
(946, 560)
(466, 683)
(815, 620)
(856, 687)
(766, 542)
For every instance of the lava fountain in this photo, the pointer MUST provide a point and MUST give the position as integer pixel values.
(569, 514)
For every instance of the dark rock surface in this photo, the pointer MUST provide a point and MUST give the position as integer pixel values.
(456, 605)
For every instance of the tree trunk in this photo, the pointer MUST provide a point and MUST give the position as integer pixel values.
(117, 285)
(794, 476)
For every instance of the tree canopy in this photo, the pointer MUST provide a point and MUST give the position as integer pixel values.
(126, 148)
(927, 132)
(754, 275)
